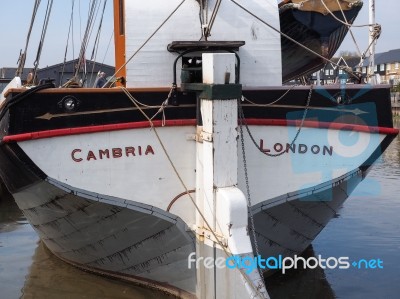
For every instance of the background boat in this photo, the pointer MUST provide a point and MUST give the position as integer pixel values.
(317, 29)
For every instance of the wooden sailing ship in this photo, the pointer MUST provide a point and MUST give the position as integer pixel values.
(312, 33)
(202, 155)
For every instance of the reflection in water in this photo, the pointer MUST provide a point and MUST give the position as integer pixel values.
(49, 277)
(300, 283)
(10, 215)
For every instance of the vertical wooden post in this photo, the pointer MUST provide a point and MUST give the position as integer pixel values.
(222, 204)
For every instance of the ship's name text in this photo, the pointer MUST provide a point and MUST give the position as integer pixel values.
(315, 149)
(79, 155)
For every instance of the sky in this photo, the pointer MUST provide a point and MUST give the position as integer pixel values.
(387, 15)
(16, 17)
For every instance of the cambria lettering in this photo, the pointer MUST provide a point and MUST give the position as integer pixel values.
(314, 149)
(78, 155)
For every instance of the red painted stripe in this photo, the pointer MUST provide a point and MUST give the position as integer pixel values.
(322, 125)
(96, 129)
(192, 122)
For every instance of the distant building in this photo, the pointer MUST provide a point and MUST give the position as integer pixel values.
(8, 73)
(386, 65)
(61, 73)
(333, 72)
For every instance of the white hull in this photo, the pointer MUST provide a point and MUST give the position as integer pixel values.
(148, 177)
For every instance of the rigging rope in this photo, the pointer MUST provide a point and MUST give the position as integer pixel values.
(22, 56)
(292, 40)
(145, 43)
(376, 31)
(108, 46)
(210, 24)
(85, 40)
(348, 27)
(42, 37)
(203, 14)
(97, 41)
(341, 21)
(201, 17)
(66, 46)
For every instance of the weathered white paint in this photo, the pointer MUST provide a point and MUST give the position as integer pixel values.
(232, 222)
(216, 66)
(152, 65)
(224, 206)
(150, 179)
(147, 178)
(293, 172)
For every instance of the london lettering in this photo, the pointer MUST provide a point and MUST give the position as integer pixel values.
(314, 149)
(79, 155)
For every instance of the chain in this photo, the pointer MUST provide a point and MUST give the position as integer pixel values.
(243, 121)
(246, 175)
(248, 197)
(273, 102)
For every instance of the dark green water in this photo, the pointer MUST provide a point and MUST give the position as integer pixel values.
(368, 227)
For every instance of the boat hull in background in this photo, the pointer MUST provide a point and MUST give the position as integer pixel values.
(318, 32)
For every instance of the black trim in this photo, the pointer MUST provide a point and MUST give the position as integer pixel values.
(24, 116)
(14, 100)
(316, 32)
(178, 46)
(17, 169)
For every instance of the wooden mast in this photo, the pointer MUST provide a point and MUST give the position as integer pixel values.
(119, 38)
